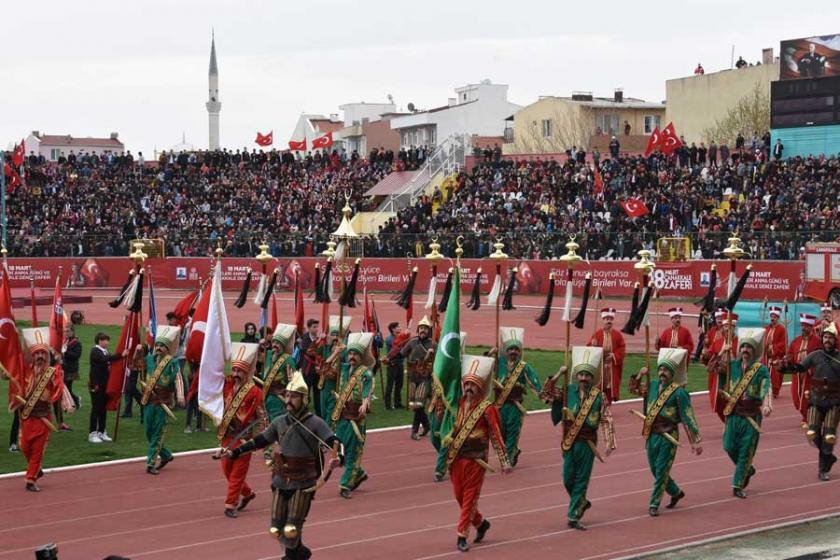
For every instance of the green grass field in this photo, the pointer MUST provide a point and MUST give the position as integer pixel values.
(72, 448)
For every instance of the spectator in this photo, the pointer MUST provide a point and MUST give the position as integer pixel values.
(250, 334)
(778, 149)
(71, 352)
(615, 146)
(627, 128)
(741, 63)
(699, 70)
(395, 369)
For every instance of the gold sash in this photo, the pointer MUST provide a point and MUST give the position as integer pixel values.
(653, 410)
(346, 391)
(739, 389)
(150, 384)
(580, 419)
(232, 409)
(37, 391)
(510, 382)
(464, 431)
(273, 372)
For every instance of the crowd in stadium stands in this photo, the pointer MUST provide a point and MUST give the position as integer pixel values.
(93, 205)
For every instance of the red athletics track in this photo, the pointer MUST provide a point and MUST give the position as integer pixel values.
(479, 325)
(401, 513)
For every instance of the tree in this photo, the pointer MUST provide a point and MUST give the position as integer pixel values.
(750, 115)
(566, 126)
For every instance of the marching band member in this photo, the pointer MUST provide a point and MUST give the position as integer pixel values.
(477, 424)
(802, 345)
(419, 354)
(666, 405)
(298, 465)
(243, 412)
(824, 398)
(161, 378)
(351, 407)
(612, 342)
(676, 336)
(42, 386)
(579, 407)
(746, 404)
(514, 376)
(775, 346)
(279, 366)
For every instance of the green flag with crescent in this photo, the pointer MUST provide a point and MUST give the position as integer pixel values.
(447, 367)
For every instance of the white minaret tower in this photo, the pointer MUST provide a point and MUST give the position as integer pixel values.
(214, 106)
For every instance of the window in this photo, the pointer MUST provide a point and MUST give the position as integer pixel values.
(651, 122)
(607, 122)
(547, 128)
(55, 153)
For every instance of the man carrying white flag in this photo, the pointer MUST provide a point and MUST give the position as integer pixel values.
(215, 352)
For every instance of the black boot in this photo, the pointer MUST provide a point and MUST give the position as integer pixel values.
(481, 531)
(739, 493)
(675, 500)
(576, 525)
(462, 544)
(303, 553)
(653, 512)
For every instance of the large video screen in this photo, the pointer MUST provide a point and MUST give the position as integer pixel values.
(812, 57)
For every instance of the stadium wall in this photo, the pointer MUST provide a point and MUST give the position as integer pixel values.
(695, 103)
(808, 140)
(776, 280)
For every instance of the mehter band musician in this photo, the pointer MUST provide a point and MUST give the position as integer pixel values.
(298, 467)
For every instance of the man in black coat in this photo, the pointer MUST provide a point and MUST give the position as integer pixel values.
(100, 364)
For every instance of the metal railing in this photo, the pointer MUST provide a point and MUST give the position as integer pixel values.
(448, 157)
(526, 244)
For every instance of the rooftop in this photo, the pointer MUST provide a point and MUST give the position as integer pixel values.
(70, 141)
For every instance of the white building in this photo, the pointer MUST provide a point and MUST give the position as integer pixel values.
(355, 113)
(51, 146)
(477, 109)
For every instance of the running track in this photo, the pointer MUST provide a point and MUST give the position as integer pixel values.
(401, 513)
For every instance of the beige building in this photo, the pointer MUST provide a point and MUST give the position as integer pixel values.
(695, 103)
(554, 124)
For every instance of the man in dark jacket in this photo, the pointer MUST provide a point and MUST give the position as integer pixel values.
(100, 364)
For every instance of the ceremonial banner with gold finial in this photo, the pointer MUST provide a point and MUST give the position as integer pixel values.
(446, 371)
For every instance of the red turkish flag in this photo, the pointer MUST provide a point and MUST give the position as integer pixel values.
(11, 356)
(635, 208)
(195, 343)
(118, 372)
(57, 318)
(670, 141)
(12, 178)
(297, 146)
(183, 307)
(265, 140)
(18, 155)
(324, 141)
(654, 142)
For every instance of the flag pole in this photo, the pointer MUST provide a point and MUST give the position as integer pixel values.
(571, 259)
(499, 257)
(138, 257)
(733, 252)
(32, 300)
(645, 267)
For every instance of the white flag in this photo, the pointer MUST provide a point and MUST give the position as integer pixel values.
(430, 300)
(567, 304)
(261, 289)
(495, 291)
(215, 352)
(731, 285)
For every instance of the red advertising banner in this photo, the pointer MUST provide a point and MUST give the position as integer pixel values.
(774, 279)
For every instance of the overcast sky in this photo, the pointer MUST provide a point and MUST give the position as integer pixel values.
(139, 67)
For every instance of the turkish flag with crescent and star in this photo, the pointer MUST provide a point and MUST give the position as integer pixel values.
(297, 146)
(670, 141)
(19, 154)
(195, 342)
(11, 356)
(654, 142)
(635, 207)
(324, 141)
(265, 140)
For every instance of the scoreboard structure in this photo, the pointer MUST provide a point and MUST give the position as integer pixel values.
(805, 101)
